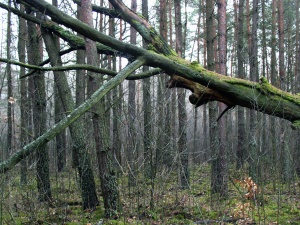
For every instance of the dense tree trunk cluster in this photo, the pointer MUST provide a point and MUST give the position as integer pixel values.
(94, 116)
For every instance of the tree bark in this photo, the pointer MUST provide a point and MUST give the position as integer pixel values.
(182, 117)
(23, 92)
(240, 72)
(254, 136)
(101, 132)
(39, 113)
(80, 157)
(10, 97)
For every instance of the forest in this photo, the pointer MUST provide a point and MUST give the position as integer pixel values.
(150, 112)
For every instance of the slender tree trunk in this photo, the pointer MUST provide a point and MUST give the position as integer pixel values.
(101, 132)
(61, 139)
(213, 134)
(297, 88)
(284, 156)
(222, 176)
(132, 135)
(149, 169)
(164, 134)
(253, 144)
(10, 97)
(240, 71)
(182, 117)
(116, 115)
(23, 93)
(39, 113)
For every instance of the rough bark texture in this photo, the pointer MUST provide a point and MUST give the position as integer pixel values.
(221, 177)
(80, 158)
(182, 117)
(253, 136)
(39, 114)
(23, 93)
(10, 97)
(132, 149)
(101, 132)
(240, 72)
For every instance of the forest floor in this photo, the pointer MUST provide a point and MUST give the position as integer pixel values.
(247, 203)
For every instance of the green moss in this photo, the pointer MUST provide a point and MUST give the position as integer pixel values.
(296, 124)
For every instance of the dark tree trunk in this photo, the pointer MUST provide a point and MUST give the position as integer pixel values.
(39, 113)
(253, 139)
(23, 92)
(240, 71)
(182, 117)
(10, 97)
(222, 173)
(297, 88)
(101, 132)
(61, 139)
(132, 149)
(213, 134)
(80, 156)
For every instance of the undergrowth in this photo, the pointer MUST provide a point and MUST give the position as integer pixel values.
(247, 203)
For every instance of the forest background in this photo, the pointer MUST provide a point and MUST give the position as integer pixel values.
(146, 150)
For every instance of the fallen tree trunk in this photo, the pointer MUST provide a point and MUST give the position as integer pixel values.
(205, 85)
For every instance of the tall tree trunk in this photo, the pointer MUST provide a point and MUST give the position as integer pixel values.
(213, 134)
(80, 155)
(297, 77)
(116, 113)
(39, 112)
(240, 71)
(273, 77)
(182, 117)
(222, 176)
(132, 135)
(101, 132)
(253, 141)
(23, 93)
(10, 98)
(149, 153)
(284, 156)
(61, 139)
(149, 159)
(164, 134)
